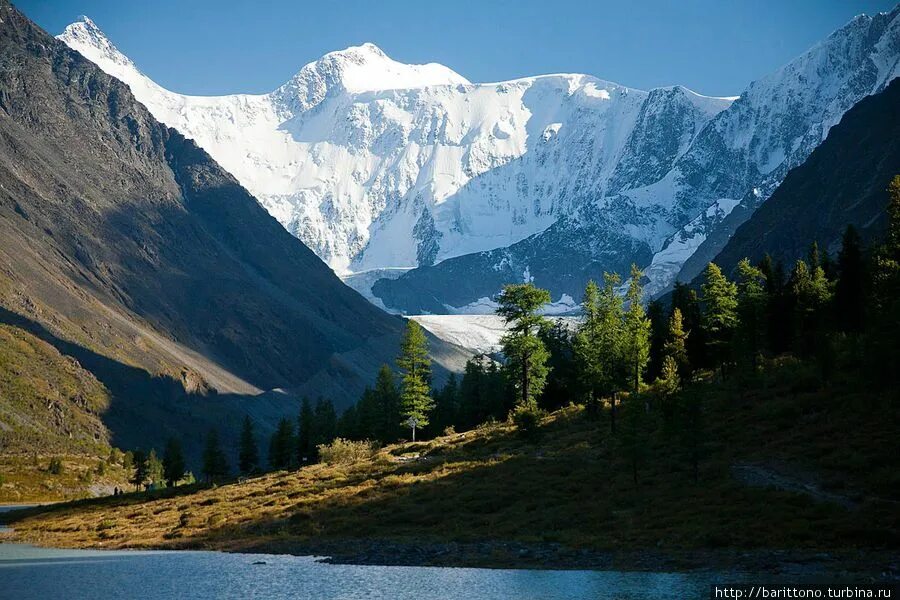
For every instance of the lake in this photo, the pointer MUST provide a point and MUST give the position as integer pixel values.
(28, 572)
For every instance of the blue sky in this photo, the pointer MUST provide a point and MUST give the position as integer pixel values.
(715, 47)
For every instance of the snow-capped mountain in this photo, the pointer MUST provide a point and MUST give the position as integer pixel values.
(380, 166)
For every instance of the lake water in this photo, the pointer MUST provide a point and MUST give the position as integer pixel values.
(42, 573)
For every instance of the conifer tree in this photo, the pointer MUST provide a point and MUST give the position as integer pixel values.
(752, 310)
(281, 445)
(719, 298)
(636, 344)
(525, 352)
(685, 300)
(139, 463)
(884, 326)
(387, 406)
(811, 293)
(215, 466)
(155, 472)
(446, 405)
(849, 302)
(416, 402)
(563, 383)
(173, 462)
(659, 331)
(588, 345)
(675, 347)
(348, 424)
(324, 422)
(667, 385)
(248, 452)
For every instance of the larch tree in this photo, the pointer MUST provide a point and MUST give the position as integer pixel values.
(519, 305)
(675, 346)
(416, 402)
(719, 298)
(636, 339)
(588, 345)
(752, 311)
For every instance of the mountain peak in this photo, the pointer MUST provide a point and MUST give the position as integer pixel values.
(88, 39)
(366, 68)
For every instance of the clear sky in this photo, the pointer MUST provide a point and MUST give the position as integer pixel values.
(715, 47)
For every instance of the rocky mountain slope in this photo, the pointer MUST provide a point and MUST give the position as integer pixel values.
(126, 247)
(842, 182)
(382, 167)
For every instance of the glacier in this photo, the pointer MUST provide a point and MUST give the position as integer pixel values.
(453, 188)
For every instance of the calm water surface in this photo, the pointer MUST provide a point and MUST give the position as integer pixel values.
(41, 573)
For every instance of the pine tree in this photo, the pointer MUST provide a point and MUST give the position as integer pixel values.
(849, 291)
(305, 424)
(525, 352)
(324, 422)
(173, 462)
(281, 445)
(636, 344)
(215, 466)
(416, 402)
(248, 452)
(719, 298)
(139, 462)
(675, 347)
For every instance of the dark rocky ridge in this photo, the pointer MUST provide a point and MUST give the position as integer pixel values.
(842, 182)
(129, 248)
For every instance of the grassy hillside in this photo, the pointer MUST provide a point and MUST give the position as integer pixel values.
(786, 464)
(50, 407)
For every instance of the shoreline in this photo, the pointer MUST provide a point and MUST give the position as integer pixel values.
(790, 565)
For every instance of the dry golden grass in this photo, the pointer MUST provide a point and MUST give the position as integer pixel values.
(574, 486)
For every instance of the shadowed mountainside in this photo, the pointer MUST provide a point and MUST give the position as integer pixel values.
(125, 243)
(842, 183)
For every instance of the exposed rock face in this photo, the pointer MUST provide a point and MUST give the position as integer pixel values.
(128, 247)
(843, 182)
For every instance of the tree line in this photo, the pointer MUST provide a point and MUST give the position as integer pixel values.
(623, 355)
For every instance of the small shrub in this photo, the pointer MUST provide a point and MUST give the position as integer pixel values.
(527, 420)
(106, 524)
(342, 452)
(56, 466)
(449, 430)
(101, 468)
